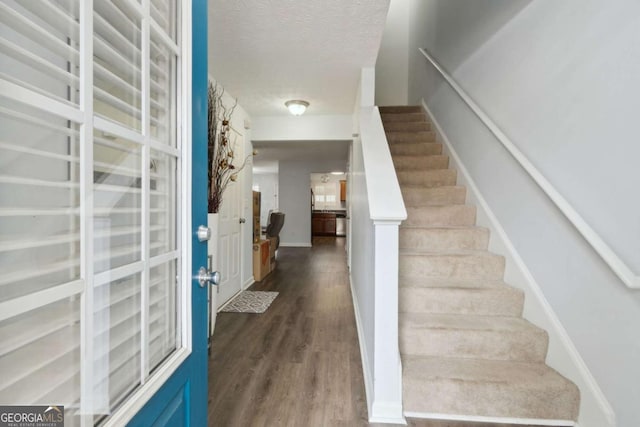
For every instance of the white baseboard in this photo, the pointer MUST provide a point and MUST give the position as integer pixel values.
(595, 410)
(492, 420)
(295, 244)
(250, 281)
(386, 413)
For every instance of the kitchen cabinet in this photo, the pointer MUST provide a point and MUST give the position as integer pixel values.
(343, 190)
(323, 224)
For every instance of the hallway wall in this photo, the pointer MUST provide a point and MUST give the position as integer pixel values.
(560, 79)
(392, 64)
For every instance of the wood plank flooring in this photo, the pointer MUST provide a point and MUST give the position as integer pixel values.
(297, 364)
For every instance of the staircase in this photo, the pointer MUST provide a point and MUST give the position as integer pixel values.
(466, 350)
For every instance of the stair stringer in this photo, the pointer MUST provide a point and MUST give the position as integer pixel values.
(562, 355)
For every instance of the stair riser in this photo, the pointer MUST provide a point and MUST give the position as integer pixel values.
(407, 117)
(491, 301)
(420, 162)
(426, 136)
(446, 396)
(453, 266)
(444, 239)
(434, 216)
(524, 346)
(434, 196)
(416, 149)
(427, 179)
(401, 109)
(407, 126)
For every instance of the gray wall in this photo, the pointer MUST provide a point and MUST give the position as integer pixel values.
(561, 80)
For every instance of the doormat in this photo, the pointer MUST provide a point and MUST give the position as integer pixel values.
(250, 302)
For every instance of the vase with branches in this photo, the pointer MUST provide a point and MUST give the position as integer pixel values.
(222, 167)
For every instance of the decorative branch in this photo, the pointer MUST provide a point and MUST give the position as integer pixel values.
(220, 148)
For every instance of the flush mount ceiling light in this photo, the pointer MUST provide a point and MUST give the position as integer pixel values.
(296, 107)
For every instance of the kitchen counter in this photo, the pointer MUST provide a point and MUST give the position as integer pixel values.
(328, 222)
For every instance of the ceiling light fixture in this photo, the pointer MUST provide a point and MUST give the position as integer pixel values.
(296, 107)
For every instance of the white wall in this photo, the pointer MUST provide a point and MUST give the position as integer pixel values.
(295, 196)
(301, 128)
(268, 183)
(330, 187)
(392, 64)
(559, 79)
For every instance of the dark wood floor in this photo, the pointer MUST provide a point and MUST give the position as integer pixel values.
(297, 364)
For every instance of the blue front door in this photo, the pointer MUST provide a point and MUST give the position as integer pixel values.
(182, 400)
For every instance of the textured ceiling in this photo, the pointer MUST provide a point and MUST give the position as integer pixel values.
(265, 52)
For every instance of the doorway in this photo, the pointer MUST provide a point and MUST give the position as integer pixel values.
(328, 204)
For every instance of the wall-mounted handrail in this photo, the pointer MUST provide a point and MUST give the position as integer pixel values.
(619, 267)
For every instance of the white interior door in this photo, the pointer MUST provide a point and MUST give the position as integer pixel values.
(229, 236)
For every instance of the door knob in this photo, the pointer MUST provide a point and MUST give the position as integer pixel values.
(242, 220)
(207, 276)
(203, 233)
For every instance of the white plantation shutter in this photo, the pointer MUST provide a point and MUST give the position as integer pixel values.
(89, 237)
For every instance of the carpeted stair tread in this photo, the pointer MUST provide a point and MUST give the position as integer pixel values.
(446, 215)
(434, 196)
(417, 137)
(456, 265)
(447, 282)
(488, 299)
(403, 117)
(472, 336)
(491, 388)
(406, 126)
(427, 178)
(416, 149)
(466, 322)
(420, 162)
(444, 238)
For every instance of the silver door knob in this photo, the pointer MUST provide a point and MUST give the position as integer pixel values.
(208, 277)
(203, 233)
(242, 220)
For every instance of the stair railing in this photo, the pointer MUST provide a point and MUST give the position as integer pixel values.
(617, 265)
(377, 209)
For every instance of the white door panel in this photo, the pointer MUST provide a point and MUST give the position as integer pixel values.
(229, 253)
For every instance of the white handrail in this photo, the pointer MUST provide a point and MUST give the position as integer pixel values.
(383, 190)
(603, 249)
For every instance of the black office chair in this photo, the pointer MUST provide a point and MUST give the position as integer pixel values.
(274, 225)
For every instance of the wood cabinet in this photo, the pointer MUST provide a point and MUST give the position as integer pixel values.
(343, 190)
(323, 224)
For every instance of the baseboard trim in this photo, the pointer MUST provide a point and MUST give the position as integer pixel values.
(494, 420)
(295, 245)
(250, 281)
(562, 355)
(380, 410)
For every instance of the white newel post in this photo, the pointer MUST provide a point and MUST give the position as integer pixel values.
(387, 405)
(213, 220)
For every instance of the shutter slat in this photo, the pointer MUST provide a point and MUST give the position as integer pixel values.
(28, 28)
